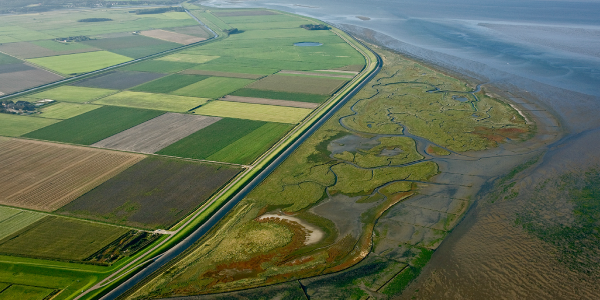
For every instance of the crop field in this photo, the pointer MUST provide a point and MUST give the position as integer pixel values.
(152, 101)
(211, 140)
(213, 87)
(319, 74)
(298, 84)
(13, 220)
(18, 67)
(14, 125)
(188, 58)
(8, 60)
(154, 135)
(270, 102)
(301, 97)
(118, 80)
(130, 41)
(44, 48)
(222, 74)
(239, 65)
(239, 13)
(93, 126)
(45, 176)
(197, 30)
(154, 193)
(25, 292)
(80, 62)
(65, 110)
(159, 66)
(168, 84)
(258, 112)
(73, 94)
(20, 80)
(60, 238)
(173, 37)
(249, 147)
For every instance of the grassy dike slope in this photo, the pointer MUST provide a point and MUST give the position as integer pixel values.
(338, 182)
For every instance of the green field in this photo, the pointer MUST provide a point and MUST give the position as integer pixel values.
(6, 59)
(213, 87)
(239, 65)
(57, 46)
(94, 126)
(24, 292)
(13, 125)
(299, 84)
(212, 139)
(302, 97)
(80, 62)
(137, 52)
(159, 66)
(73, 94)
(13, 220)
(60, 238)
(152, 101)
(259, 112)
(65, 110)
(249, 147)
(168, 84)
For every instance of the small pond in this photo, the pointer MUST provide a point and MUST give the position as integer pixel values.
(307, 44)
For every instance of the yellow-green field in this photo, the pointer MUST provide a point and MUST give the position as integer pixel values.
(13, 125)
(152, 101)
(191, 58)
(259, 112)
(81, 62)
(74, 94)
(66, 110)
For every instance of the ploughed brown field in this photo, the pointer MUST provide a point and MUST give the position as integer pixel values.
(45, 176)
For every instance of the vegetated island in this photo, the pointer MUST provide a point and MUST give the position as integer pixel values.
(95, 20)
(315, 27)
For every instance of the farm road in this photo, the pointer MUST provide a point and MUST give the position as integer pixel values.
(156, 134)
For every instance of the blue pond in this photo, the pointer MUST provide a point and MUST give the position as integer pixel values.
(307, 44)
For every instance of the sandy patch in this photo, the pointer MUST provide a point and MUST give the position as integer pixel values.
(314, 234)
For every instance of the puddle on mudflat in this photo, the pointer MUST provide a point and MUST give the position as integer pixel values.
(344, 212)
(460, 99)
(390, 152)
(352, 143)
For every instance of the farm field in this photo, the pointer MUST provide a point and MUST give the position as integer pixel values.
(298, 84)
(73, 94)
(71, 64)
(258, 112)
(242, 145)
(45, 176)
(13, 220)
(222, 74)
(13, 125)
(61, 238)
(118, 80)
(152, 136)
(159, 66)
(270, 102)
(24, 292)
(173, 37)
(168, 84)
(42, 48)
(11, 82)
(301, 97)
(65, 110)
(152, 101)
(212, 87)
(94, 125)
(154, 193)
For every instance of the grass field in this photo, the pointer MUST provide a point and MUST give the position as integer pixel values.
(66, 110)
(213, 87)
(298, 84)
(154, 193)
(93, 126)
(81, 62)
(211, 139)
(159, 66)
(25, 292)
(249, 147)
(302, 97)
(13, 125)
(238, 65)
(258, 112)
(137, 52)
(118, 80)
(73, 94)
(152, 101)
(45, 176)
(168, 84)
(222, 74)
(43, 48)
(61, 238)
(6, 59)
(131, 41)
(13, 220)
